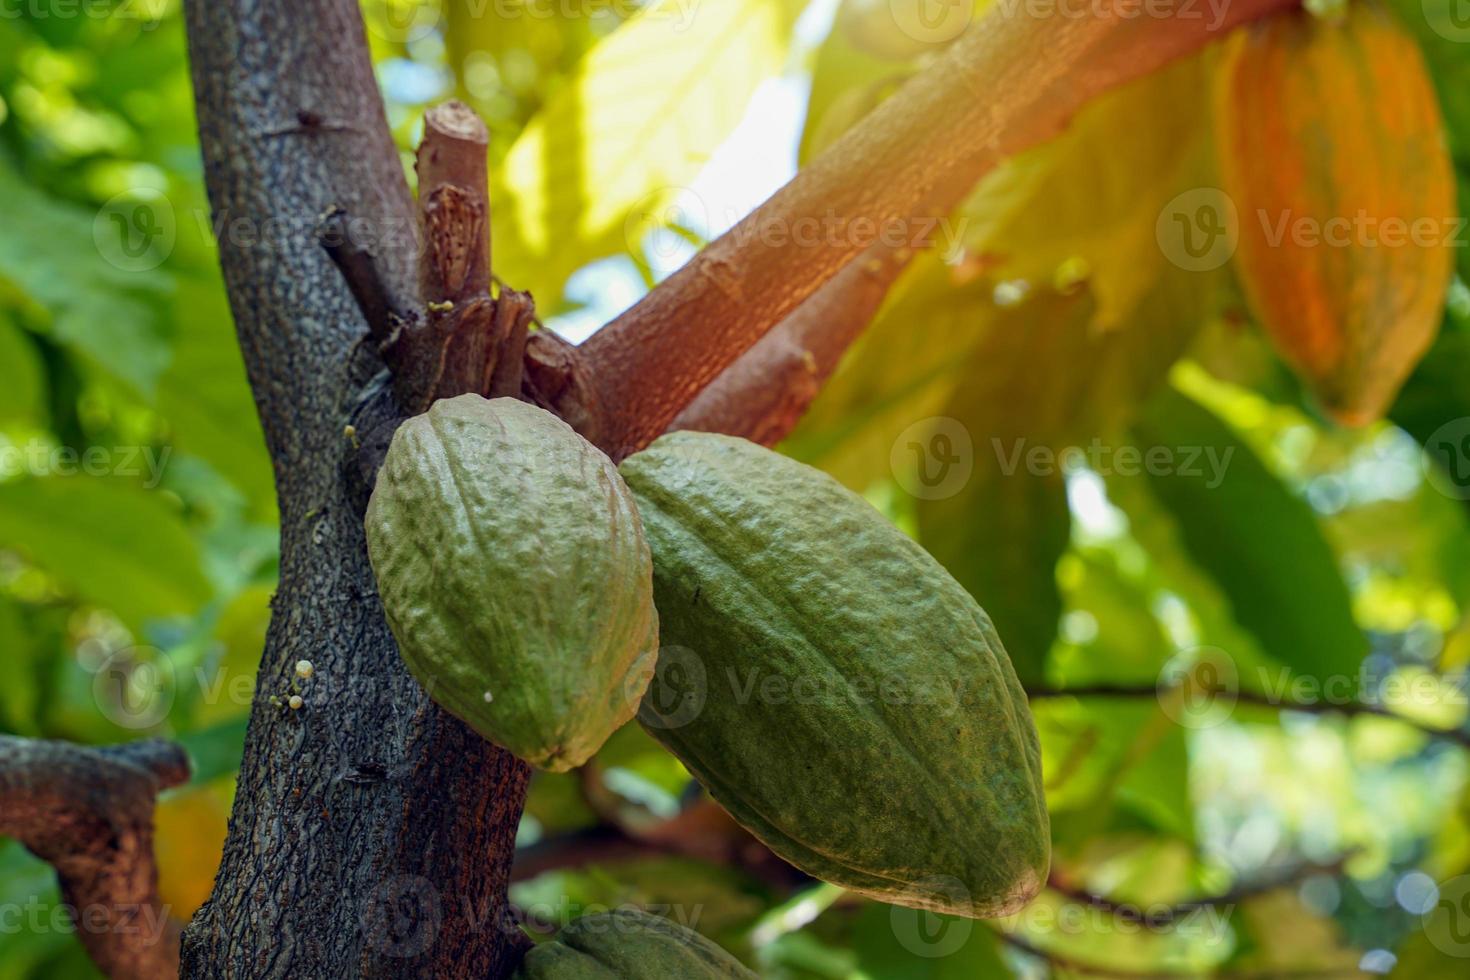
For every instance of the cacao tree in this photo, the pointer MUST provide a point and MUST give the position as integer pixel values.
(1029, 540)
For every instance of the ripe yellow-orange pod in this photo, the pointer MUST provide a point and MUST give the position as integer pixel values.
(1333, 150)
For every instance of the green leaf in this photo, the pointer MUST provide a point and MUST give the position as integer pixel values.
(847, 83)
(639, 117)
(897, 942)
(111, 316)
(116, 545)
(23, 391)
(205, 397)
(1263, 545)
(215, 751)
(20, 695)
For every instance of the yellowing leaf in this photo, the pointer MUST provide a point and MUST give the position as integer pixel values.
(1095, 193)
(636, 120)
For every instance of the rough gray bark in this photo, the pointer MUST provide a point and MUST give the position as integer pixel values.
(372, 833)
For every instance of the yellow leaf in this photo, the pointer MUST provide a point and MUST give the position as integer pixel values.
(638, 118)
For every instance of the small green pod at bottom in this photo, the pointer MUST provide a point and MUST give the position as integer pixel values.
(626, 944)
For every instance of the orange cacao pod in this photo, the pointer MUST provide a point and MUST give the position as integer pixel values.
(1332, 148)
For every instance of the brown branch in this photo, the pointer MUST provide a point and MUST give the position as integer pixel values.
(702, 831)
(1062, 961)
(1161, 915)
(764, 394)
(1012, 81)
(386, 312)
(89, 813)
(1257, 699)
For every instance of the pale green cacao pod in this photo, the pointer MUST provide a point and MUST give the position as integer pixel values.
(832, 686)
(626, 944)
(514, 573)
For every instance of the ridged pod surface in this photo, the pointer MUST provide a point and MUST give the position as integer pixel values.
(832, 686)
(626, 944)
(1332, 147)
(513, 570)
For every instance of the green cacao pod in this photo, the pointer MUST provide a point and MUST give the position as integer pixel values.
(514, 573)
(1333, 149)
(832, 686)
(626, 944)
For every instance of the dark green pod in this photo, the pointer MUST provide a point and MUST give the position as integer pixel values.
(513, 570)
(832, 686)
(626, 944)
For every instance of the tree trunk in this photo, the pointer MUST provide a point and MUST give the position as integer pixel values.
(372, 833)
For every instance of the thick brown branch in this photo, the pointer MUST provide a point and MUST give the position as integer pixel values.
(768, 389)
(1012, 81)
(89, 813)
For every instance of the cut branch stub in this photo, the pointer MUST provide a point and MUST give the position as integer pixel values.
(454, 204)
(452, 339)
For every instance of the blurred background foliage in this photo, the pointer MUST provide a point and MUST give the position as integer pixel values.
(137, 525)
